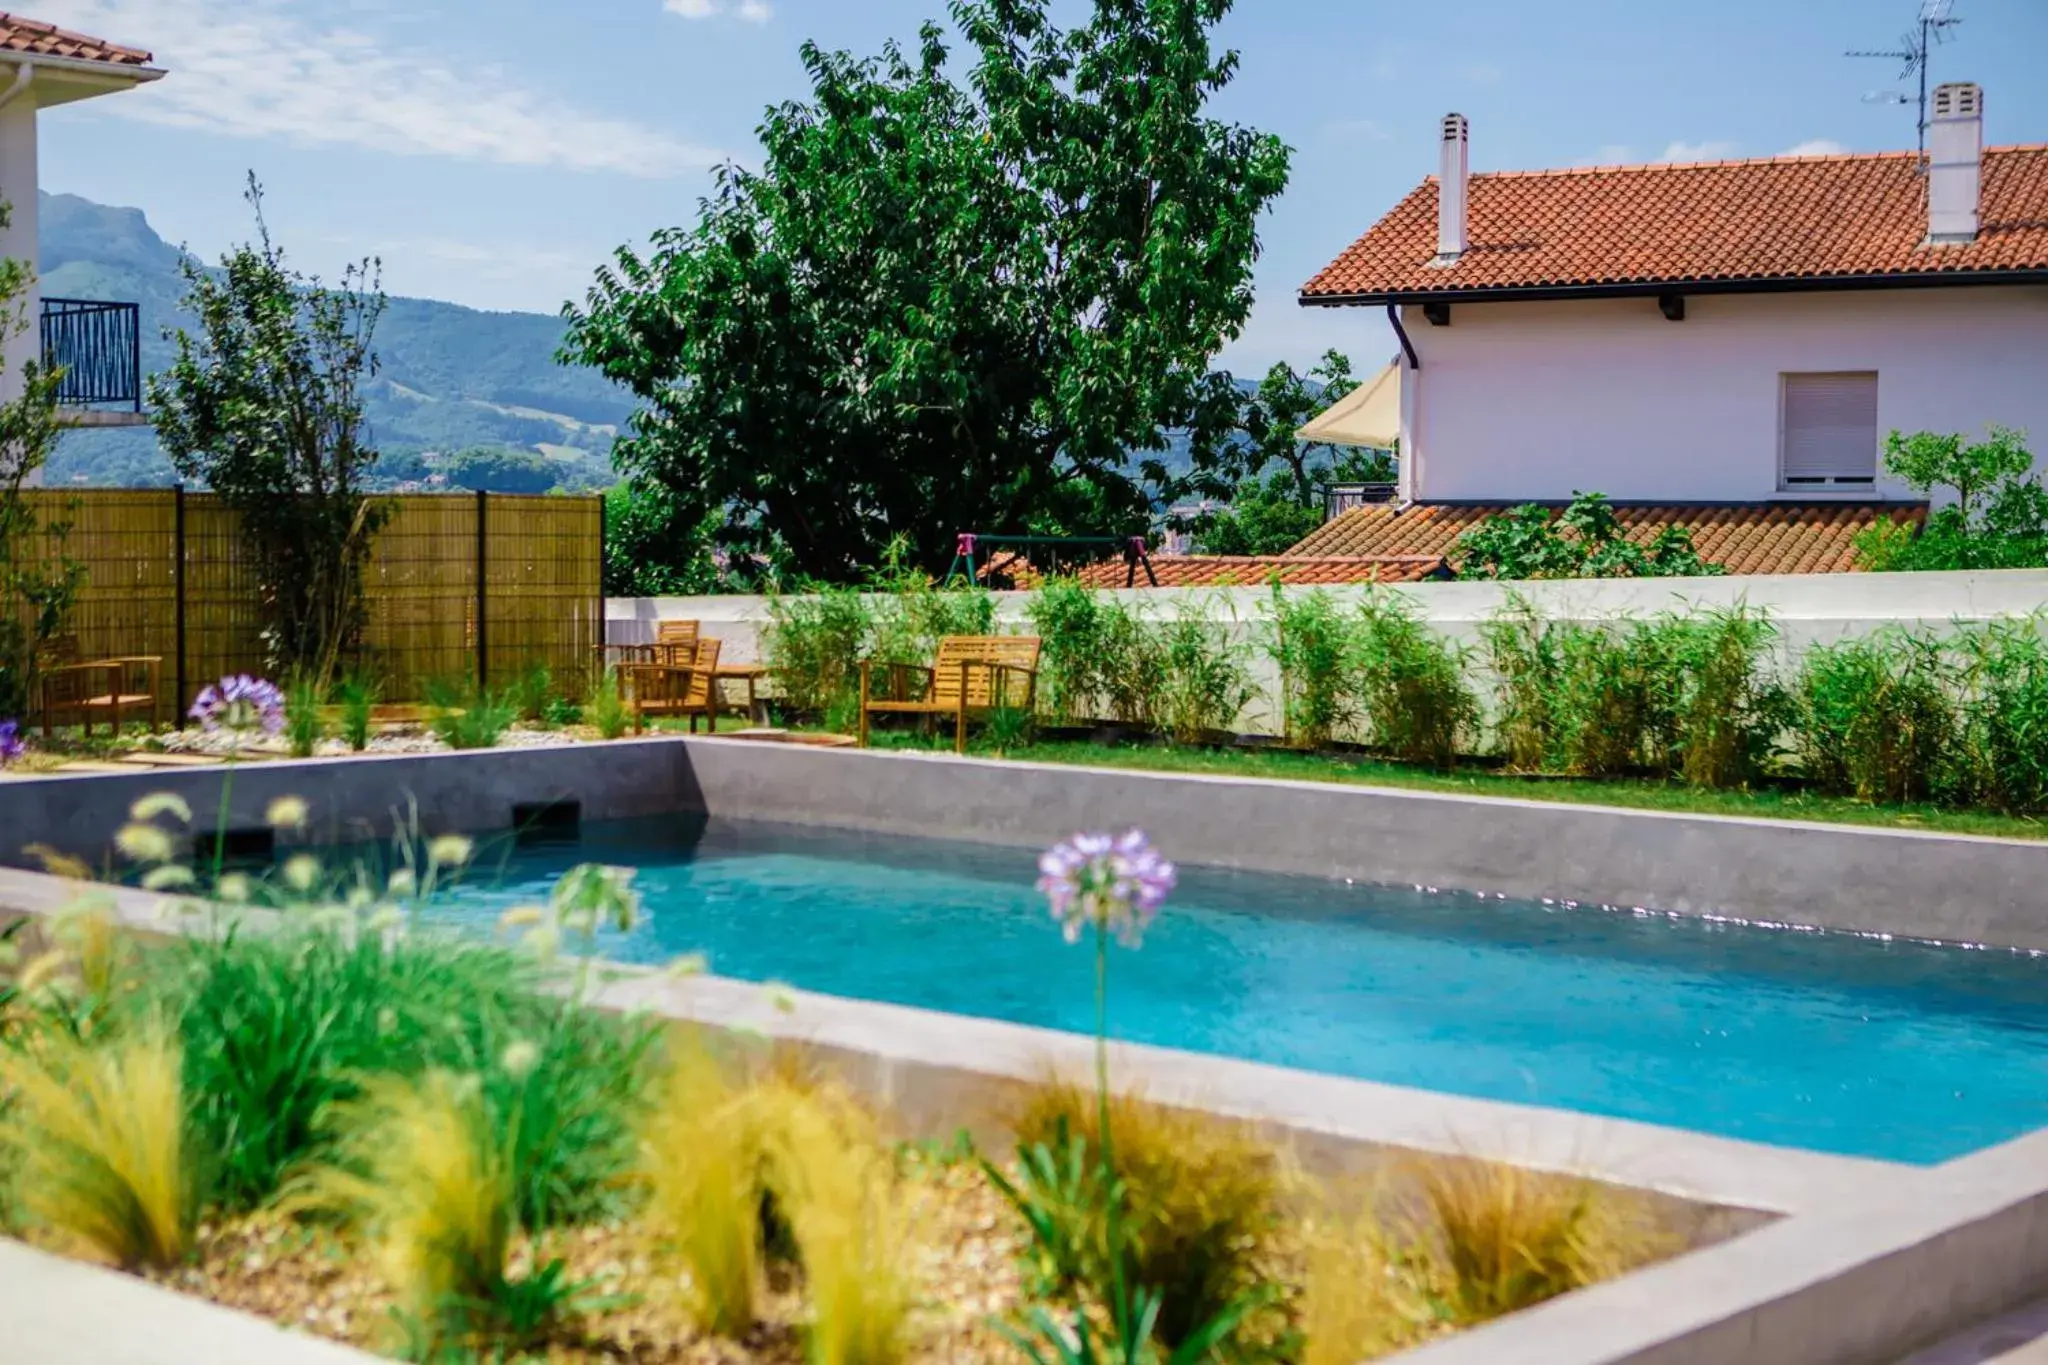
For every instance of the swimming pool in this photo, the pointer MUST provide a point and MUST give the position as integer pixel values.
(1833, 1043)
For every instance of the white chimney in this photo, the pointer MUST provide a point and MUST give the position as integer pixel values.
(1955, 154)
(1450, 190)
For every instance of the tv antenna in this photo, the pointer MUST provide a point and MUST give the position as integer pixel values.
(1937, 17)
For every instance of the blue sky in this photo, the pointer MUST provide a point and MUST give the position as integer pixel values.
(493, 151)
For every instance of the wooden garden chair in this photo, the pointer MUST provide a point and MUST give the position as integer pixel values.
(670, 688)
(676, 641)
(973, 674)
(115, 690)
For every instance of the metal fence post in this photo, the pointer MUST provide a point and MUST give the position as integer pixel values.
(483, 626)
(178, 596)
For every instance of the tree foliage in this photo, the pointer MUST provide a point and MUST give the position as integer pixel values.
(38, 580)
(946, 305)
(1585, 540)
(263, 404)
(1997, 520)
(1270, 512)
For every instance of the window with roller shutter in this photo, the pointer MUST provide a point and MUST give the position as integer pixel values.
(1827, 431)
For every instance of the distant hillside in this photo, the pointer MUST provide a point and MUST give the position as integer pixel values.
(452, 377)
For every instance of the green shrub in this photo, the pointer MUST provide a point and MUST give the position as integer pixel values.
(1068, 619)
(1310, 643)
(1416, 704)
(357, 696)
(911, 615)
(814, 644)
(1726, 711)
(1876, 719)
(1522, 656)
(1586, 540)
(1204, 680)
(304, 723)
(560, 711)
(2005, 686)
(466, 716)
(530, 691)
(607, 709)
(1130, 667)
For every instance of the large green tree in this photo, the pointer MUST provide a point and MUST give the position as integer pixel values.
(945, 305)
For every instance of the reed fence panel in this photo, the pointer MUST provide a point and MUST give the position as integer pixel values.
(166, 573)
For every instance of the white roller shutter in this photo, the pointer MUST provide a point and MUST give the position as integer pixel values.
(1828, 431)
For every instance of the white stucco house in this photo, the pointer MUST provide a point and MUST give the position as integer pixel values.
(96, 340)
(1721, 343)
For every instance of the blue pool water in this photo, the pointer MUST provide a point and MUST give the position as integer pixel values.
(1834, 1043)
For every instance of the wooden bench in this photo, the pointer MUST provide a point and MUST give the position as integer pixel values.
(673, 688)
(972, 674)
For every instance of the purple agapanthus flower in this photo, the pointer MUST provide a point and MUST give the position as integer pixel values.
(240, 704)
(12, 746)
(1117, 882)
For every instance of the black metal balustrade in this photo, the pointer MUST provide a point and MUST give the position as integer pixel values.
(100, 347)
(1339, 498)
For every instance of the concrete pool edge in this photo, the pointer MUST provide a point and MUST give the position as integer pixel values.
(1872, 1258)
(1904, 883)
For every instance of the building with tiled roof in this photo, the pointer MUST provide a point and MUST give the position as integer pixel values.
(94, 341)
(1294, 568)
(1729, 333)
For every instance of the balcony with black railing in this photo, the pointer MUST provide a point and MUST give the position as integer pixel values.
(99, 346)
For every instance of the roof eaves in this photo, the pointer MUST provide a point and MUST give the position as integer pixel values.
(1649, 287)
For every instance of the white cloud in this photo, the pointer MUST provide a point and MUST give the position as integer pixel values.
(1698, 151)
(272, 68)
(1819, 146)
(753, 11)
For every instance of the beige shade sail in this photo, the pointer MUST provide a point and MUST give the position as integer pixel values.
(1370, 415)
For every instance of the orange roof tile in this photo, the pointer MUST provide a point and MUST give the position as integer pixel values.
(1726, 223)
(33, 36)
(1749, 539)
(1251, 571)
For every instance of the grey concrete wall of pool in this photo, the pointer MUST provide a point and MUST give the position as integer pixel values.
(1958, 888)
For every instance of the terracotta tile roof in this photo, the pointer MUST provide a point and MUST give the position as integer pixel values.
(1777, 219)
(33, 36)
(1251, 571)
(1759, 538)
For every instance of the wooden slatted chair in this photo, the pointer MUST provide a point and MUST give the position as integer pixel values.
(114, 690)
(676, 641)
(972, 674)
(671, 688)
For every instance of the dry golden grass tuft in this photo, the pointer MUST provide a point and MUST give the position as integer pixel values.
(1208, 1199)
(94, 1141)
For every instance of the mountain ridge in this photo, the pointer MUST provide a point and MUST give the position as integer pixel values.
(450, 377)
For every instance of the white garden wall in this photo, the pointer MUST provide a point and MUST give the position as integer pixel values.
(1807, 608)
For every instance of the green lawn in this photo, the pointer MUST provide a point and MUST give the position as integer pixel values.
(1770, 803)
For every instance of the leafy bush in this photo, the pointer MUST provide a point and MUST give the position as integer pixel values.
(1726, 711)
(1068, 619)
(1585, 540)
(357, 696)
(93, 1141)
(466, 716)
(1998, 520)
(1204, 1201)
(911, 614)
(1414, 698)
(1522, 657)
(2005, 716)
(814, 644)
(1203, 677)
(1876, 719)
(1310, 643)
